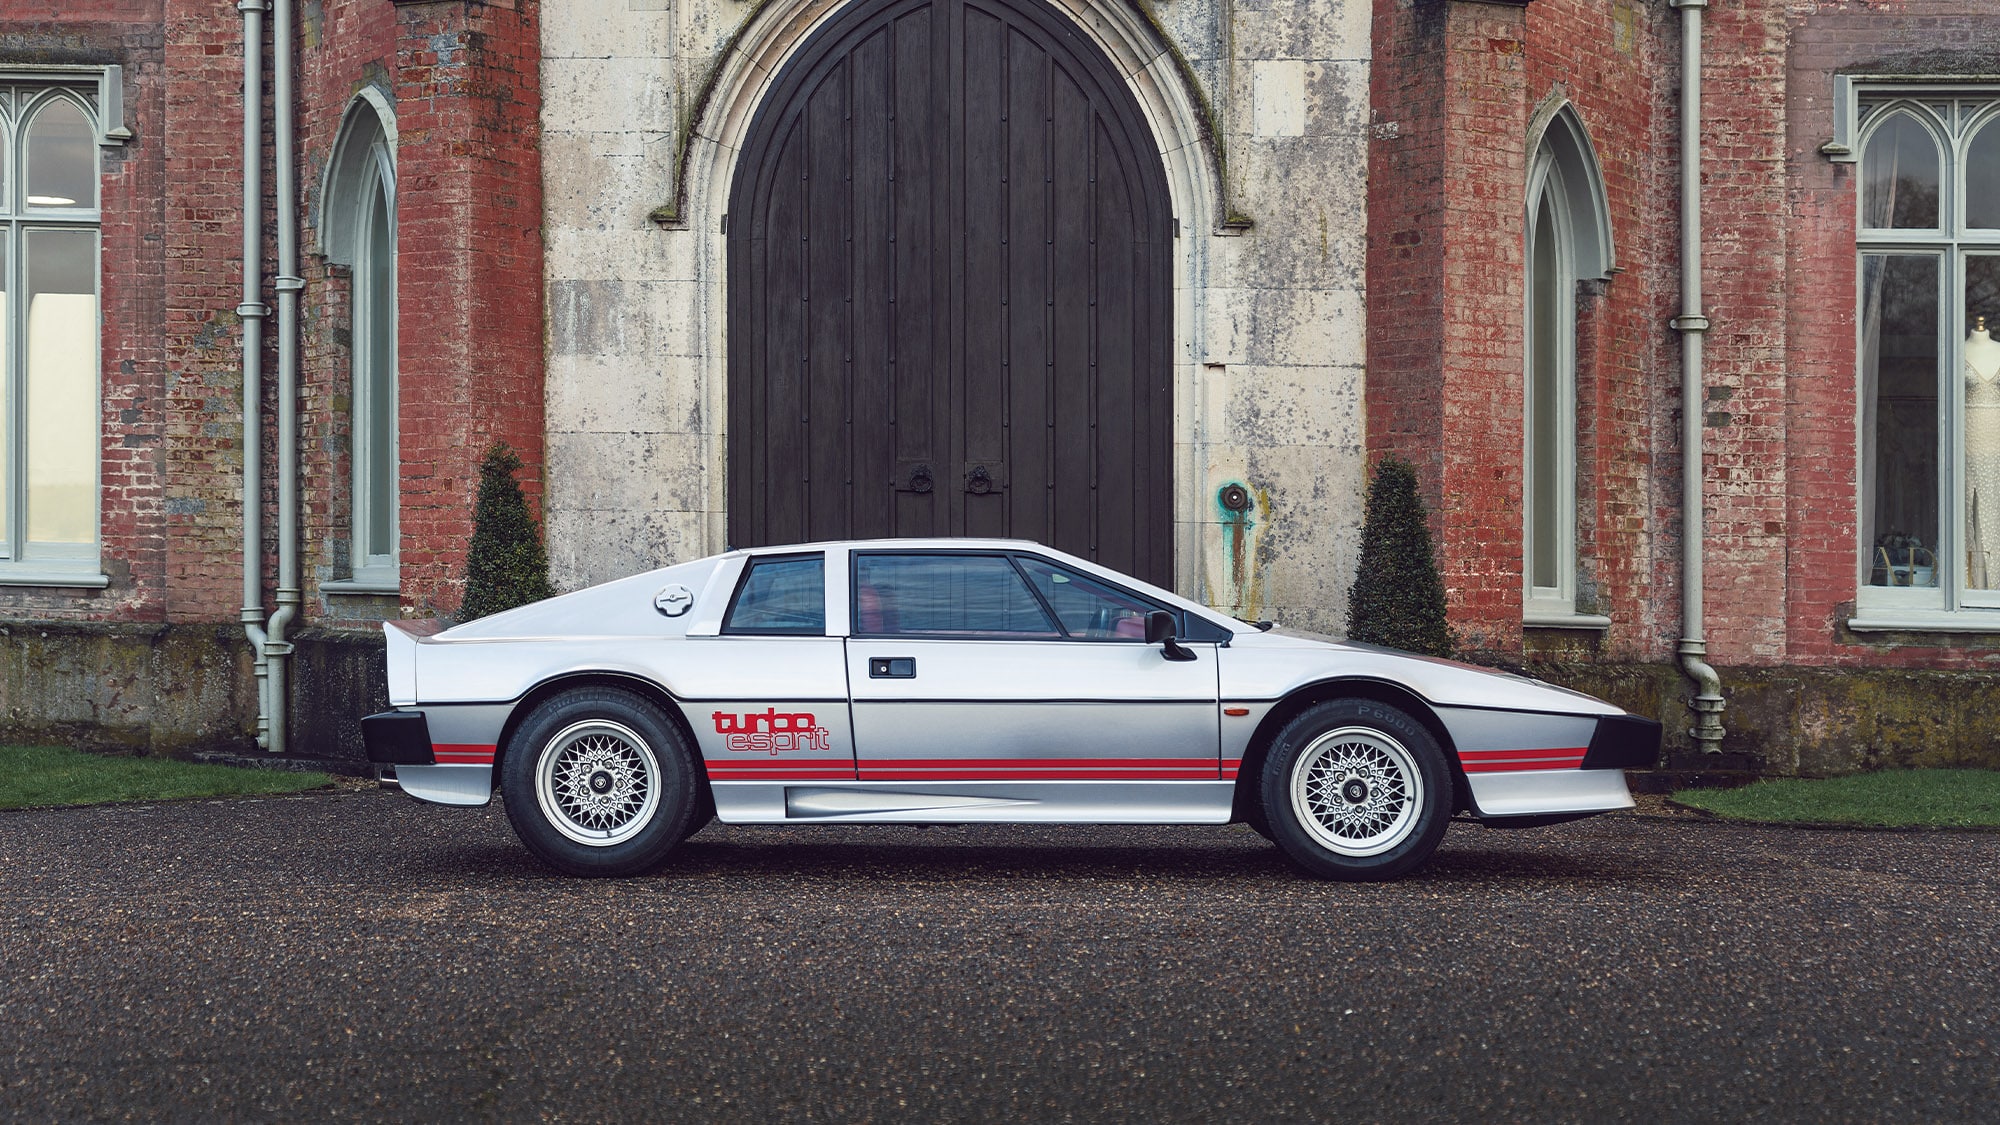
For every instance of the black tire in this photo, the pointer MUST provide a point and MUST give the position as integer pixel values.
(599, 781)
(1357, 790)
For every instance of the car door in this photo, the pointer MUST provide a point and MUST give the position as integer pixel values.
(1002, 666)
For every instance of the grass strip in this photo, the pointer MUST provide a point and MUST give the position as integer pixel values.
(45, 776)
(1888, 799)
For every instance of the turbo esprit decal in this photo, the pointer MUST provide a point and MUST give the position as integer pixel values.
(769, 732)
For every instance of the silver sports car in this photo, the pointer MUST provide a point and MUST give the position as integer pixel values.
(955, 681)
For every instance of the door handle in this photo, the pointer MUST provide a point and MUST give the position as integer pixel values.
(892, 667)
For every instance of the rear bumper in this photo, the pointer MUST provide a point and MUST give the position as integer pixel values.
(398, 738)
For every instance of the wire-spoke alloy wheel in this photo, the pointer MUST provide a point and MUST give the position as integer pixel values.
(1355, 789)
(600, 781)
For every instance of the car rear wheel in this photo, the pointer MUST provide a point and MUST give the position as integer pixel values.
(599, 781)
(1355, 789)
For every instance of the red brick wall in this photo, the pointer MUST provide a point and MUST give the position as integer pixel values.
(469, 214)
(1444, 349)
(1455, 84)
(1597, 57)
(1821, 518)
(134, 394)
(201, 131)
(345, 46)
(463, 76)
(1406, 252)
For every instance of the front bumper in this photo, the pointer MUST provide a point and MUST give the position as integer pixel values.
(398, 738)
(1623, 742)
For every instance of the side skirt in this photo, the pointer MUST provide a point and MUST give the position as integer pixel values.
(1040, 802)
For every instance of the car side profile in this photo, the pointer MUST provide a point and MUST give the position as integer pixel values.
(956, 681)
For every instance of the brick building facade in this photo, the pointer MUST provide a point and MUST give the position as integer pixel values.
(1828, 661)
(515, 228)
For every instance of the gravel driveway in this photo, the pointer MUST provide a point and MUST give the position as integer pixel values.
(355, 955)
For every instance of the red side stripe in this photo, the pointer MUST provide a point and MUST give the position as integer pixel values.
(969, 769)
(1501, 761)
(797, 775)
(1039, 769)
(871, 774)
(462, 754)
(1038, 763)
(780, 769)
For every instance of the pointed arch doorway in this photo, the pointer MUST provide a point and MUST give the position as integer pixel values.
(949, 244)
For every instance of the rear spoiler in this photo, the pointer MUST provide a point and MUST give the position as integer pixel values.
(403, 637)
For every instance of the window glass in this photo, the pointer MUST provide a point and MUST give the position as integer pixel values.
(951, 595)
(1899, 343)
(61, 403)
(62, 159)
(1982, 420)
(1982, 178)
(7, 422)
(1086, 607)
(781, 595)
(1899, 172)
(375, 300)
(1546, 442)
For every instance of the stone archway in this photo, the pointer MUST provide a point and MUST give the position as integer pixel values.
(950, 255)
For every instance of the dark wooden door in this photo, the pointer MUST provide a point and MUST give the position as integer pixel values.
(949, 291)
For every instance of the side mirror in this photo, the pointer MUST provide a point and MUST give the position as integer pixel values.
(1160, 631)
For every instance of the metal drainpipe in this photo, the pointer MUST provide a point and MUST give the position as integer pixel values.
(1693, 323)
(252, 311)
(277, 649)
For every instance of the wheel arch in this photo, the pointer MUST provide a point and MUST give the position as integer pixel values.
(1311, 695)
(637, 685)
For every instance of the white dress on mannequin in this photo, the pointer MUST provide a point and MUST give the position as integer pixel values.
(1982, 457)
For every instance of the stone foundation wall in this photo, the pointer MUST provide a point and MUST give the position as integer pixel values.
(1809, 722)
(179, 690)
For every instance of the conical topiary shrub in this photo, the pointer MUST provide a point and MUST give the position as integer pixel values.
(506, 566)
(1398, 597)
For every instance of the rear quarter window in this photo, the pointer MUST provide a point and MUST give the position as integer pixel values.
(783, 596)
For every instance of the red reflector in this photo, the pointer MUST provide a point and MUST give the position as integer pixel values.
(1237, 711)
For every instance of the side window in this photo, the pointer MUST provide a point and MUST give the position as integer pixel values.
(1086, 607)
(783, 596)
(945, 595)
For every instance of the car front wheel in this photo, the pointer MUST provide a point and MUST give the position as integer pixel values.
(1355, 789)
(599, 781)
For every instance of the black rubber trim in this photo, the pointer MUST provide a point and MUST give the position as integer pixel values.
(398, 738)
(1623, 742)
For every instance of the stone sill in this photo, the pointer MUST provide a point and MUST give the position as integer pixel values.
(1928, 621)
(351, 587)
(1565, 621)
(72, 579)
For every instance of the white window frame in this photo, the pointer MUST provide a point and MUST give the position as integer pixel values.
(98, 91)
(360, 176)
(1563, 171)
(1862, 105)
